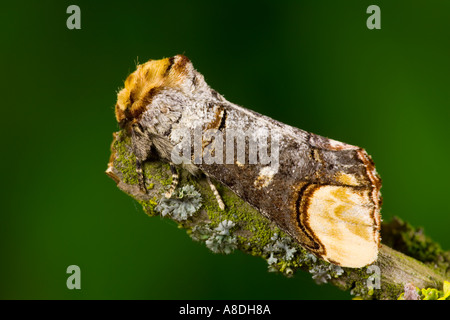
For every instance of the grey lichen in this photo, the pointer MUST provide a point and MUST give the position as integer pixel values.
(201, 232)
(284, 255)
(324, 272)
(279, 249)
(182, 205)
(221, 240)
(281, 253)
(225, 227)
(272, 260)
(308, 258)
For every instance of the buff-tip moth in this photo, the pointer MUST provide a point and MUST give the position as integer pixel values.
(323, 193)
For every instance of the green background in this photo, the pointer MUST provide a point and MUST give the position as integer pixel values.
(311, 64)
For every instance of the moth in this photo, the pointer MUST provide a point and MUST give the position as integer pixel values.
(323, 193)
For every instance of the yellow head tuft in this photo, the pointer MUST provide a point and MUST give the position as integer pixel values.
(142, 85)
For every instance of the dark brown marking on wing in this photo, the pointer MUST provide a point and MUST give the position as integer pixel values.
(219, 116)
(301, 207)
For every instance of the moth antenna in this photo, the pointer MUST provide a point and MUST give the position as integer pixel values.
(175, 178)
(216, 194)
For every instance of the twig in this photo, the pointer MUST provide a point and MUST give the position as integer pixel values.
(241, 227)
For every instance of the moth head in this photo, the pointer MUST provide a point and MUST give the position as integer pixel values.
(144, 83)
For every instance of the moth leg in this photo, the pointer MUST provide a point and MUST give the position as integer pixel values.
(141, 144)
(216, 194)
(175, 178)
(140, 173)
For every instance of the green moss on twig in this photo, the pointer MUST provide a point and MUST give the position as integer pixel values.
(413, 242)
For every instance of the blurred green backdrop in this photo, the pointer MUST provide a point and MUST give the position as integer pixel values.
(311, 64)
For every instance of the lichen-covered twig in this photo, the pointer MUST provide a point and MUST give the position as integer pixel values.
(240, 227)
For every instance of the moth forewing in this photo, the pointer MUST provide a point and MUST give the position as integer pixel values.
(322, 192)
